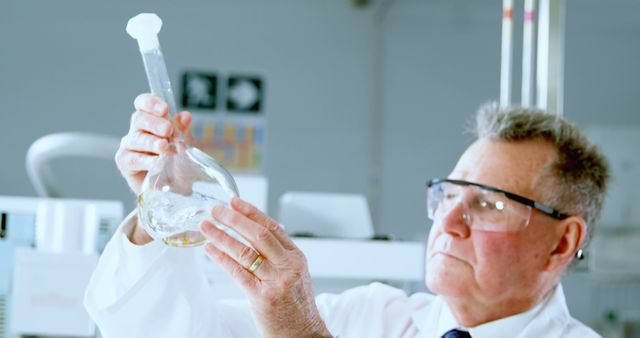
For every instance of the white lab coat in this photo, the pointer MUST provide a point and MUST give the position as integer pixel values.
(156, 291)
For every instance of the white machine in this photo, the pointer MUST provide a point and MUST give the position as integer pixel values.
(326, 215)
(48, 250)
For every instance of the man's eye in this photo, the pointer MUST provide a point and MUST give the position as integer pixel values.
(491, 205)
(450, 196)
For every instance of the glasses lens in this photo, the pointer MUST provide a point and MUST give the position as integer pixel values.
(441, 198)
(483, 209)
(493, 211)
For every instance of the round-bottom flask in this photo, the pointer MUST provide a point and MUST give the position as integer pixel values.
(178, 193)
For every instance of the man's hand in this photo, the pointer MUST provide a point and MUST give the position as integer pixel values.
(279, 289)
(149, 135)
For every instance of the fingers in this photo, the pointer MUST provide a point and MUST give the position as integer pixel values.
(148, 123)
(151, 104)
(133, 166)
(143, 142)
(183, 121)
(235, 249)
(152, 116)
(258, 235)
(149, 133)
(248, 280)
(131, 162)
(254, 214)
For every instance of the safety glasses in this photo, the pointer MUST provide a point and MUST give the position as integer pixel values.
(484, 207)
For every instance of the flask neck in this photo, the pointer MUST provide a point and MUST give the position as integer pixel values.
(177, 144)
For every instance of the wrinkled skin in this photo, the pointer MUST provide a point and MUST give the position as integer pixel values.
(482, 275)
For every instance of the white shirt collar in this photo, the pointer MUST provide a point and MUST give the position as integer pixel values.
(502, 328)
(507, 327)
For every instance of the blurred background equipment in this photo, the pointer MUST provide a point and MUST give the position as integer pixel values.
(52, 147)
(48, 250)
(332, 215)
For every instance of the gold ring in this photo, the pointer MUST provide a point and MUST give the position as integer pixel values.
(256, 263)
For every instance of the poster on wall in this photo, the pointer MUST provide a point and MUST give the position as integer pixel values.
(228, 118)
(237, 144)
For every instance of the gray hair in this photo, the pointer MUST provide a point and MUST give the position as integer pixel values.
(575, 183)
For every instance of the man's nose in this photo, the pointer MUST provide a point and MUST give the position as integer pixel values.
(456, 221)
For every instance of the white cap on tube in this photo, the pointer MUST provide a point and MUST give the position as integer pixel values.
(145, 27)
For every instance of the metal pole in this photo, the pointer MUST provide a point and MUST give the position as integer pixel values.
(527, 52)
(550, 59)
(505, 61)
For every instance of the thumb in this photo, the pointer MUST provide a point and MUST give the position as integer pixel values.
(183, 119)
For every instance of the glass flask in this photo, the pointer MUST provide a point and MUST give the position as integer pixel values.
(184, 183)
(178, 193)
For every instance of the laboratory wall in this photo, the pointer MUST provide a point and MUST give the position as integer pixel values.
(70, 66)
(441, 62)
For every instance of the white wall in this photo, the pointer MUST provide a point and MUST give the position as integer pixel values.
(69, 65)
(441, 62)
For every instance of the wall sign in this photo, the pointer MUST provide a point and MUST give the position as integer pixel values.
(244, 94)
(228, 120)
(199, 90)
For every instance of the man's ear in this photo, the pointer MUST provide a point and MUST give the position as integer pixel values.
(573, 232)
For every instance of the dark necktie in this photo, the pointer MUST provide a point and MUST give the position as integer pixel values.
(457, 334)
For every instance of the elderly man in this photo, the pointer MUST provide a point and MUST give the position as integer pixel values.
(507, 223)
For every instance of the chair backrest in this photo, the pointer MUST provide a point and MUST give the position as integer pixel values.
(326, 215)
(60, 145)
